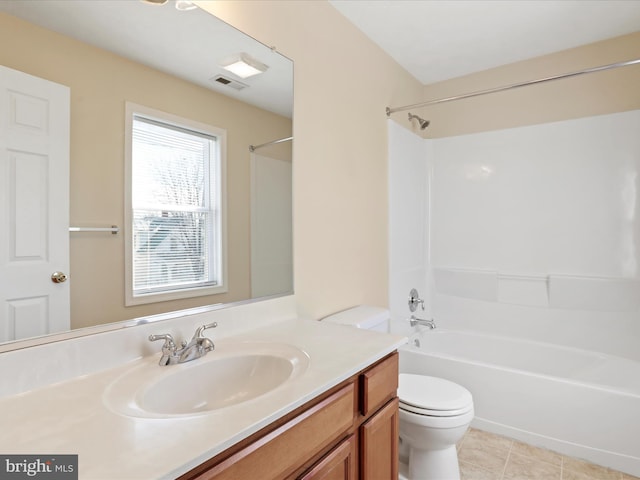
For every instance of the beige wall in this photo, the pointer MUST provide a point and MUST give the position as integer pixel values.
(343, 82)
(100, 84)
(593, 94)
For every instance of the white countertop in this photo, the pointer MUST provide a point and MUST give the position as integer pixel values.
(71, 417)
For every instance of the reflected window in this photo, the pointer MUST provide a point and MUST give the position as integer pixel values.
(176, 209)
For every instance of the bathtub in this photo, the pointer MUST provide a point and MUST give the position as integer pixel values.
(572, 401)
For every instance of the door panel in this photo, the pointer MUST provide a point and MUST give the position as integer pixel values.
(34, 205)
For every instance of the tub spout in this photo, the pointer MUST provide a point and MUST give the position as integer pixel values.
(413, 321)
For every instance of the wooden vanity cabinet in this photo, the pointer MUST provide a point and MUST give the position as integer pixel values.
(347, 433)
(339, 464)
(378, 430)
(379, 444)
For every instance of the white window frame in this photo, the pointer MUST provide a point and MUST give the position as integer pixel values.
(132, 110)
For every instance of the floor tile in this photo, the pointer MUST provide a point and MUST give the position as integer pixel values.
(571, 475)
(459, 444)
(572, 466)
(487, 440)
(520, 467)
(488, 458)
(469, 471)
(538, 453)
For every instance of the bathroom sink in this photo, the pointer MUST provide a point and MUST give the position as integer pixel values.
(234, 373)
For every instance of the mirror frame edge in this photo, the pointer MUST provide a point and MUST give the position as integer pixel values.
(134, 322)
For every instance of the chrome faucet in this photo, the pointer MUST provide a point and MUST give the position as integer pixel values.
(413, 321)
(198, 347)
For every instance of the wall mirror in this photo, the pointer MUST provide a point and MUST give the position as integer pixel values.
(167, 57)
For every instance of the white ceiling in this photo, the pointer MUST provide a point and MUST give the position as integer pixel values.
(440, 39)
(187, 44)
(433, 39)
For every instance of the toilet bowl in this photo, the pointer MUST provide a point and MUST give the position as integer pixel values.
(434, 413)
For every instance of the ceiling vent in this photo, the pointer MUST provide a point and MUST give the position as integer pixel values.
(222, 80)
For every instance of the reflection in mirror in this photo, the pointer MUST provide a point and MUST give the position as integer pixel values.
(68, 68)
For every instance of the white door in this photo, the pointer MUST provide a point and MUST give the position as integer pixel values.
(271, 227)
(34, 205)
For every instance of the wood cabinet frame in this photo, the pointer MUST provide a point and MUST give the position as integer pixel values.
(344, 433)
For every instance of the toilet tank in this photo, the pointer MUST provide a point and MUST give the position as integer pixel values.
(362, 316)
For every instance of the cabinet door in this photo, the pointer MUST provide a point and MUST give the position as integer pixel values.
(278, 454)
(379, 444)
(339, 464)
(378, 385)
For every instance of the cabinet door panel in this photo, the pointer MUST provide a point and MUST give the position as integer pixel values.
(279, 453)
(379, 444)
(339, 464)
(379, 384)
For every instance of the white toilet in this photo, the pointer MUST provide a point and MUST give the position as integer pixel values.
(434, 413)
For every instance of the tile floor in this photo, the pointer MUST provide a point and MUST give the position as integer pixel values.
(487, 456)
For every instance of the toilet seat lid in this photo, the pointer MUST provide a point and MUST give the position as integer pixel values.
(433, 394)
(435, 413)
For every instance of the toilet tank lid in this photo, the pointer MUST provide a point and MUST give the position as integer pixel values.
(362, 316)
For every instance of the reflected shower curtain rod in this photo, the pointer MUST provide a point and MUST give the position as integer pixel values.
(253, 148)
(512, 86)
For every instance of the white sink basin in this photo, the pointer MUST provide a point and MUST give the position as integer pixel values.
(234, 373)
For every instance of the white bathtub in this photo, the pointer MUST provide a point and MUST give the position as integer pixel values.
(572, 401)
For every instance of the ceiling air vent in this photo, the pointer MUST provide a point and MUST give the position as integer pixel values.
(222, 80)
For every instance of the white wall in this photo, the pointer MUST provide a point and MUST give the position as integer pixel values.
(552, 198)
(409, 162)
(271, 226)
(535, 232)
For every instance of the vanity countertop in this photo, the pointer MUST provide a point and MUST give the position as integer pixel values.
(72, 418)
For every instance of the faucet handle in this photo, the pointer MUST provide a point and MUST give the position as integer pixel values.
(169, 345)
(168, 340)
(415, 300)
(202, 328)
(168, 348)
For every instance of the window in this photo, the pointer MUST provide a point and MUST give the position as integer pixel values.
(175, 207)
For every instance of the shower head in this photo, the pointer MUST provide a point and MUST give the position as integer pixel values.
(421, 121)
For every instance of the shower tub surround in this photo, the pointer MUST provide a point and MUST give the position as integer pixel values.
(572, 401)
(524, 241)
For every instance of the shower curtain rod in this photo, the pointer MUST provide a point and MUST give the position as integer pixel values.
(253, 148)
(512, 86)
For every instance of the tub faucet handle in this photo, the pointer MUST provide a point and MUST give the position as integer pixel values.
(414, 300)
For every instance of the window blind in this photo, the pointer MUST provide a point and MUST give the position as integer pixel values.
(174, 211)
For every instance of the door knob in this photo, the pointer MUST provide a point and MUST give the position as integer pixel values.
(58, 277)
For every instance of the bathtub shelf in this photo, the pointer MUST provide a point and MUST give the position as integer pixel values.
(553, 291)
